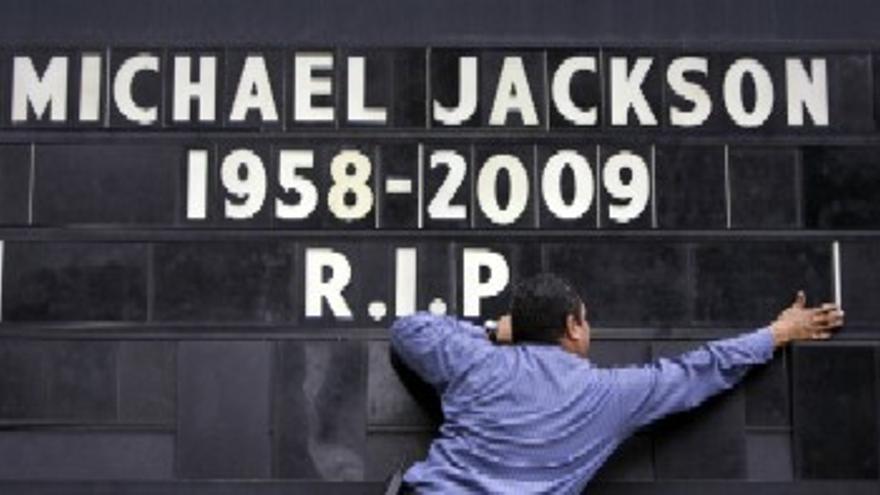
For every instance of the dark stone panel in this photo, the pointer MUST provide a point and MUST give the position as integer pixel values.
(451, 166)
(619, 192)
(223, 414)
(707, 442)
(101, 184)
(74, 281)
(763, 188)
(575, 182)
(223, 282)
(241, 167)
(728, 487)
(503, 195)
(398, 209)
(15, 177)
(490, 70)
(274, 62)
(85, 456)
(767, 394)
(626, 284)
(146, 86)
(835, 414)
(523, 260)
(147, 372)
(319, 403)
(394, 396)
(585, 88)
(388, 452)
(748, 284)
(690, 188)
(195, 74)
(58, 380)
(446, 84)
(769, 456)
(22, 378)
(851, 90)
(841, 187)
(608, 353)
(859, 265)
(632, 461)
(651, 88)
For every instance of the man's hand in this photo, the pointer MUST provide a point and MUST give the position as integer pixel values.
(798, 322)
(504, 330)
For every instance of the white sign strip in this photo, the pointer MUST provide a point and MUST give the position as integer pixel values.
(398, 186)
(835, 260)
(197, 185)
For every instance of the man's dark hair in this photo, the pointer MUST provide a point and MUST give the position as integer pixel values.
(540, 306)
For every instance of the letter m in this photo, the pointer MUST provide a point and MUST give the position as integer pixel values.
(48, 91)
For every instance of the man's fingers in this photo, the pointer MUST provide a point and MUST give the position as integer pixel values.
(800, 300)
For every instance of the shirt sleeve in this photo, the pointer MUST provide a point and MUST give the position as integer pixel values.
(644, 394)
(438, 348)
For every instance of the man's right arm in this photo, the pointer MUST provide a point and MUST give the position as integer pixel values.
(644, 394)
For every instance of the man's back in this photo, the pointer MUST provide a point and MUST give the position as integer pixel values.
(537, 419)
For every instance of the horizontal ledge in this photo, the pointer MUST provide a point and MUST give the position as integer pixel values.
(115, 233)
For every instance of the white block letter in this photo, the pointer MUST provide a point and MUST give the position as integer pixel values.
(306, 85)
(203, 90)
(254, 92)
(467, 95)
(357, 110)
(122, 89)
(733, 92)
(405, 281)
(806, 92)
(473, 289)
(561, 90)
(46, 92)
(626, 91)
(513, 94)
(90, 89)
(317, 289)
(690, 91)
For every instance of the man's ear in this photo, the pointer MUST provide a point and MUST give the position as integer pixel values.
(571, 325)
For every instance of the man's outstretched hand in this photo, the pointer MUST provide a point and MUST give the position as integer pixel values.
(798, 322)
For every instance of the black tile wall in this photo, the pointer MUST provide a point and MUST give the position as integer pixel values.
(75, 281)
(767, 394)
(147, 381)
(835, 412)
(841, 187)
(763, 188)
(15, 175)
(690, 187)
(860, 262)
(223, 410)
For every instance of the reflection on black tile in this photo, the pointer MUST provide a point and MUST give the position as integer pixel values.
(219, 282)
(707, 442)
(74, 281)
(767, 401)
(320, 410)
(690, 189)
(763, 188)
(86, 456)
(98, 184)
(633, 460)
(15, 173)
(613, 353)
(147, 374)
(625, 283)
(841, 187)
(223, 423)
(835, 412)
(859, 265)
(769, 456)
(387, 452)
(748, 284)
(391, 400)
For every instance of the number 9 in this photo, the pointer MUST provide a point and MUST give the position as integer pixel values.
(636, 192)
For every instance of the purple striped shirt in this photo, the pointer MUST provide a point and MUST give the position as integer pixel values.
(537, 419)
